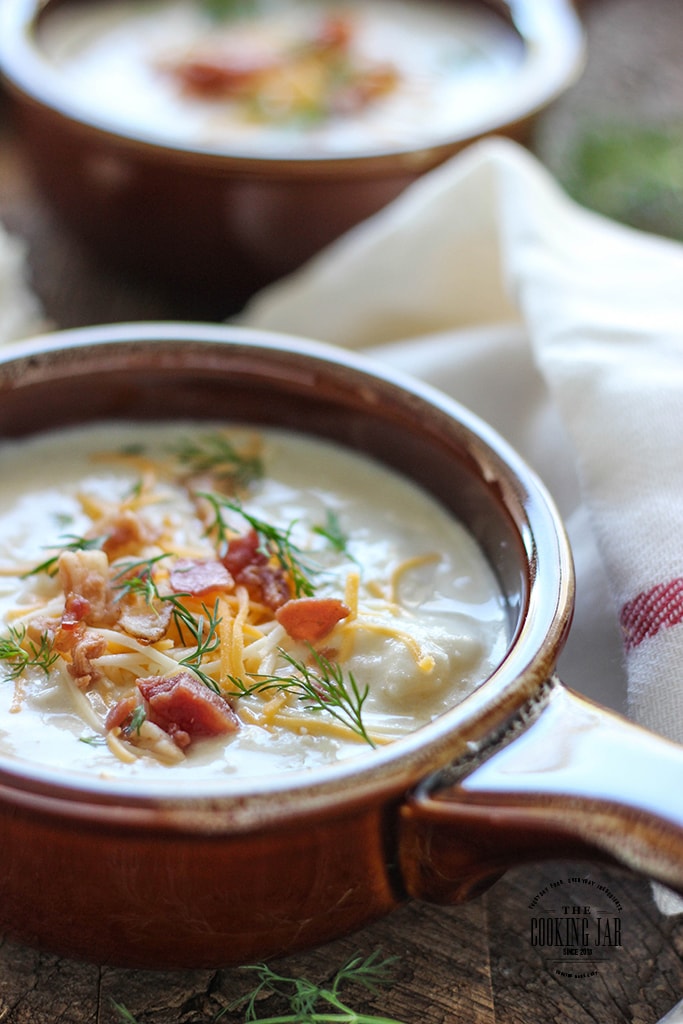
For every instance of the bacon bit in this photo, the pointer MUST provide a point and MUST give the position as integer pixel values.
(185, 708)
(335, 32)
(221, 75)
(81, 646)
(243, 551)
(120, 712)
(125, 534)
(76, 611)
(146, 621)
(88, 645)
(84, 576)
(311, 618)
(249, 567)
(196, 576)
(266, 584)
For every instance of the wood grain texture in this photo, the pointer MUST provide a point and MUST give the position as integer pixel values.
(472, 963)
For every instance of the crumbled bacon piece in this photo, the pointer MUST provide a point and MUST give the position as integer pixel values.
(126, 533)
(76, 611)
(184, 707)
(146, 620)
(119, 713)
(334, 32)
(310, 619)
(196, 576)
(84, 577)
(243, 551)
(221, 74)
(84, 645)
(266, 584)
(250, 567)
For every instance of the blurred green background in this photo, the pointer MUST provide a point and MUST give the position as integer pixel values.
(615, 140)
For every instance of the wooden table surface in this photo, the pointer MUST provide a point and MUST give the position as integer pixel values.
(474, 963)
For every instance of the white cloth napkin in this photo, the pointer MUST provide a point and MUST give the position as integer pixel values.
(565, 331)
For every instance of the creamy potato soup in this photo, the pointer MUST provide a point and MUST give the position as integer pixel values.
(283, 77)
(207, 601)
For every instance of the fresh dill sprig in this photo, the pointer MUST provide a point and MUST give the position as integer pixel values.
(307, 1002)
(75, 543)
(125, 1016)
(322, 688)
(304, 996)
(204, 633)
(137, 720)
(93, 740)
(216, 454)
(20, 654)
(136, 578)
(274, 542)
(333, 533)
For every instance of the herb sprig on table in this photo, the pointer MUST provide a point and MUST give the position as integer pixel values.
(307, 1002)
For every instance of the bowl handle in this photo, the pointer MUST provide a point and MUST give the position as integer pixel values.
(567, 779)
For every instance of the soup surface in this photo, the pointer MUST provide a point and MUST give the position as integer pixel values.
(207, 601)
(284, 77)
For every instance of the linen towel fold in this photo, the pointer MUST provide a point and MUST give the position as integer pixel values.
(565, 331)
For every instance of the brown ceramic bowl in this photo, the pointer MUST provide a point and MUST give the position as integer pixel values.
(147, 875)
(222, 223)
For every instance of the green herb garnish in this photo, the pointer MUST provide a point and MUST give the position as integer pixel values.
(322, 688)
(333, 533)
(274, 542)
(304, 997)
(136, 579)
(95, 740)
(307, 1002)
(125, 1016)
(74, 544)
(204, 634)
(137, 720)
(21, 654)
(216, 454)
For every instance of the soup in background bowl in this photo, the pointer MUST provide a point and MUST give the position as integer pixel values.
(292, 79)
(169, 867)
(218, 145)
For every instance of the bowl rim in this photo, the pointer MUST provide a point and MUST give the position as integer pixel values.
(459, 732)
(552, 33)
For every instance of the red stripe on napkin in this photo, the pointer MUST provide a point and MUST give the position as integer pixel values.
(654, 609)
